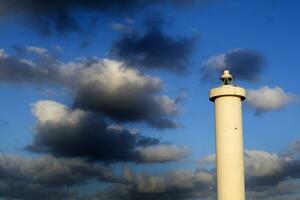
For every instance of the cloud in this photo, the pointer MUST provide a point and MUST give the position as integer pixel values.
(46, 177)
(177, 184)
(19, 70)
(208, 160)
(153, 49)
(105, 86)
(244, 64)
(48, 16)
(270, 170)
(180, 179)
(288, 189)
(267, 99)
(162, 153)
(261, 163)
(124, 94)
(82, 134)
(269, 175)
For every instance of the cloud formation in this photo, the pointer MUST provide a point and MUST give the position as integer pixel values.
(123, 94)
(101, 85)
(46, 177)
(261, 163)
(177, 184)
(82, 134)
(244, 64)
(267, 99)
(269, 175)
(39, 69)
(48, 16)
(153, 49)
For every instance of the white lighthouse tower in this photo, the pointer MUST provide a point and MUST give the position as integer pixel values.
(229, 139)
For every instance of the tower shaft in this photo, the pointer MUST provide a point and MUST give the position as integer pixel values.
(229, 141)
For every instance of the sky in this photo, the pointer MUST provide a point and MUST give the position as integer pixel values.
(108, 99)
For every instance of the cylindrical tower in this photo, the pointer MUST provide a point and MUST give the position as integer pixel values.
(229, 139)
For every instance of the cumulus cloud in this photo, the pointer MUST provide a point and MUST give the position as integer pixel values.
(244, 64)
(261, 163)
(106, 86)
(269, 171)
(269, 174)
(76, 133)
(124, 94)
(46, 177)
(177, 184)
(23, 70)
(48, 16)
(154, 49)
(266, 99)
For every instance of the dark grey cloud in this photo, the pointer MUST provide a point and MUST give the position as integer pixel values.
(177, 184)
(153, 49)
(49, 16)
(123, 94)
(105, 86)
(39, 69)
(268, 176)
(285, 190)
(244, 64)
(46, 177)
(76, 133)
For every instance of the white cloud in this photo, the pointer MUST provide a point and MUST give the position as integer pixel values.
(261, 163)
(45, 111)
(111, 76)
(268, 99)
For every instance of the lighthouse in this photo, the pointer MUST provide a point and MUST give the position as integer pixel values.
(229, 138)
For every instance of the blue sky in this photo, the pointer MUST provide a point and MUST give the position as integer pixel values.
(181, 43)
